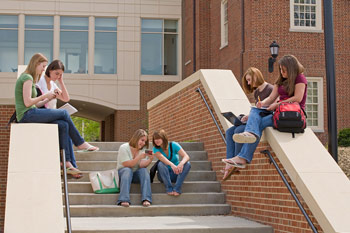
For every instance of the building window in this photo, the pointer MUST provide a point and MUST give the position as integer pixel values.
(74, 44)
(314, 104)
(38, 37)
(224, 24)
(8, 43)
(105, 46)
(159, 47)
(306, 15)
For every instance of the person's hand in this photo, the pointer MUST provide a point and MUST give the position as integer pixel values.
(150, 156)
(50, 95)
(272, 106)
(180, 167)
(175, 168)
(259, 104)
(58, 92)
(244, 118)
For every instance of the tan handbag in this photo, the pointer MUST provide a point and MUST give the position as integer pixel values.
(105, 181)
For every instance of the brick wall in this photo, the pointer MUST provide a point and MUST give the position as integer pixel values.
(265, 21)
(5, 114)
(258, 192)
(127, 122)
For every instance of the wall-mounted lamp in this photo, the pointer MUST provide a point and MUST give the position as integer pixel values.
(274, 47)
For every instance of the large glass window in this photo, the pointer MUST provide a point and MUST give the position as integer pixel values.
(8, 43)
(74, 44)
(105, 46)
(305, 15)
(38, 37)
(159, 47)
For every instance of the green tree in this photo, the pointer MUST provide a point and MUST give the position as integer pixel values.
(89, 129)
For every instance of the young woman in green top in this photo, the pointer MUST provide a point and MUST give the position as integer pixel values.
(26, 100)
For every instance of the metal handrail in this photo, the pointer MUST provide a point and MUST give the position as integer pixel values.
(272, 160)
(63, 159)
(211, 113)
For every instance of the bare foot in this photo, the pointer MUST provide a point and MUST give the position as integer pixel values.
(176, 194)
(146, 203)
(125, 204)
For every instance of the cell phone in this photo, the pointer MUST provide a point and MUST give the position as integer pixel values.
(149, 152)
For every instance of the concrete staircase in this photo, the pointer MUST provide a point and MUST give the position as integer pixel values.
(201, 207)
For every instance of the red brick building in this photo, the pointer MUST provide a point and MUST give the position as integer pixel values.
(236, 34)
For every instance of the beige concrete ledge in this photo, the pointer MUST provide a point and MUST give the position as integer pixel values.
(34, 191)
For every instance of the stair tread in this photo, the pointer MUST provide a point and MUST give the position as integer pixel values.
(190, 223)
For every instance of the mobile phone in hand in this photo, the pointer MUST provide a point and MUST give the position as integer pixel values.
(149, 152)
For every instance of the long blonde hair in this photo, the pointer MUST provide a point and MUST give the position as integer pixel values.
(136, 137)
(36, 59)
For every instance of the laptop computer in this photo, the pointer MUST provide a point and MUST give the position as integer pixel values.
(231, 117)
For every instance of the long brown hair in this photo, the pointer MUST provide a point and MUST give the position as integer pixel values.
(136, 137)
(36, 59)
(160, 135)
(257, 80)
(294, 68)
(54, 65)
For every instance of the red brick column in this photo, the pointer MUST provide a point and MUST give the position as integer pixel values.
(5, 114)
(257, 193)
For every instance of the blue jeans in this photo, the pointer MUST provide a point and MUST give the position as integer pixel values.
(66, 128)
(255, 124)
(140, 176)
(166, 176)
(233, 148)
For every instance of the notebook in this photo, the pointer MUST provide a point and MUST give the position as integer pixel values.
(231, 117)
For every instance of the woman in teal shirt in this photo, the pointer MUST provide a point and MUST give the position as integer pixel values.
(170, 168)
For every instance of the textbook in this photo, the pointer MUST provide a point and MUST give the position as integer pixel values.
(70, 109)
(232, 118)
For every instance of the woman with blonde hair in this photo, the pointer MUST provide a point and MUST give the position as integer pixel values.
(132, 168)
(170, 168)
(26, 100)
(252, 82)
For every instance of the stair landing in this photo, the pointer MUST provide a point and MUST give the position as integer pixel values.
(165, 224)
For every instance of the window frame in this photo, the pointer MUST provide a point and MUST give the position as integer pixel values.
(317, 29)
(162, 77)
(94, 47)
(320, 117)
(224, 23)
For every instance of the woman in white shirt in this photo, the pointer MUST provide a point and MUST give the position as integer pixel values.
(53, 73)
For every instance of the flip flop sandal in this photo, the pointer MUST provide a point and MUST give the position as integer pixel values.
(73, 171)
(233, 163)
(244, 138)
(90, 149)
(229, 173)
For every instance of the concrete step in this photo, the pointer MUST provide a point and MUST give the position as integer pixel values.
(157, 198)
(164, 224)
(113, 155)
(187, 187)
(114, 146)
(153, 210)
(192, 176)
(106, 165)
